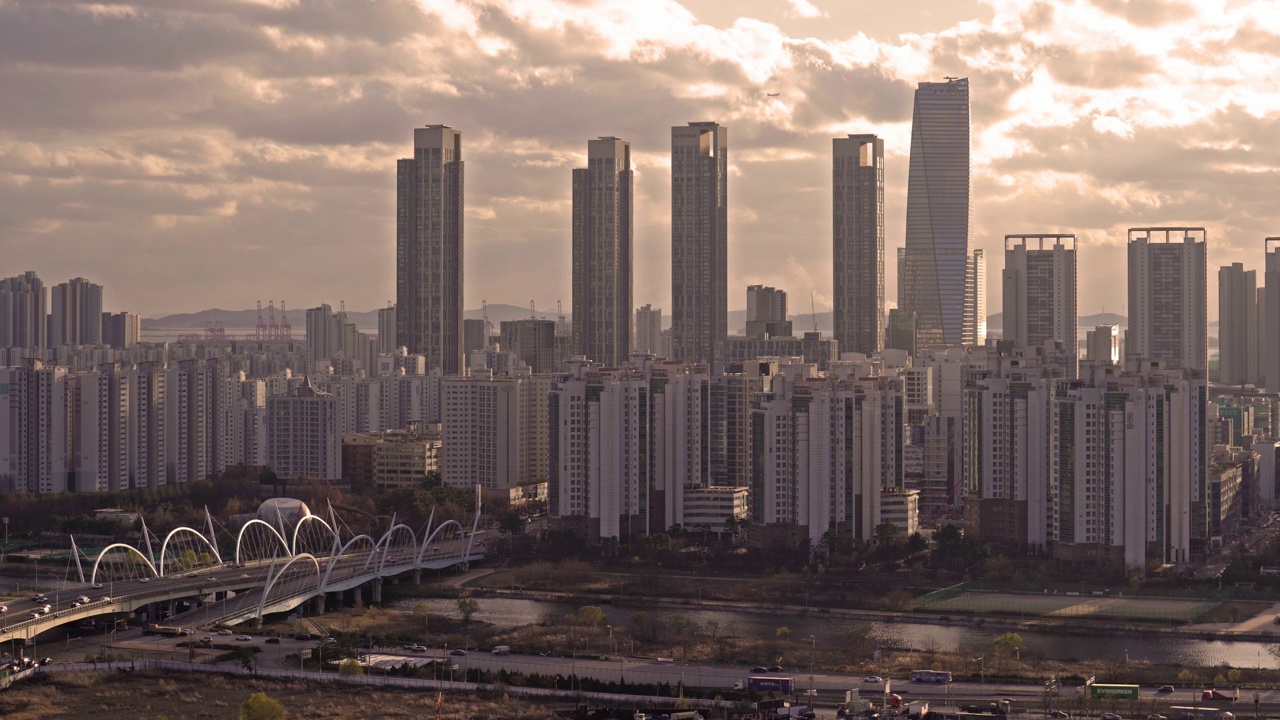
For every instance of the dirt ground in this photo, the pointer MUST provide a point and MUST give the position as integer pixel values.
(153, 696)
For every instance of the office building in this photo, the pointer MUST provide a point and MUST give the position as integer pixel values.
(1237, 325)
(23, 310)
(699, 240)
(649, 330)
(857, 242)
(75, 313)
(938, 271)
(1040, 292)
(1168, 297)
(429, 248)
(602, 252)
(900, 331)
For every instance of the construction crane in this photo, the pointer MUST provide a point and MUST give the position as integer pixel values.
(560, 323)
(273, 329)
(260, 332)
(286, 330)
(488, 325)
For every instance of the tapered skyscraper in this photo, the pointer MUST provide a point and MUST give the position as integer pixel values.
(699, 241)
(857, 187)
(602, 232)
(939, 218)
(1168, 296)
(429, 248)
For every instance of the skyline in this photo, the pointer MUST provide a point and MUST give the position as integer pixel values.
(246, 153)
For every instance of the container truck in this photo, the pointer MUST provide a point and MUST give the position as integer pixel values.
(1199, 713)
(1219, 696)
(773, 684)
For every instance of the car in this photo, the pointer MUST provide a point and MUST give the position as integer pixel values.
(1109, 716)
(1156, 716)
(331, 641)
(186, 631)
(4, 608)
(47, 608)
(36, 615)
(189, 575)
(206, 640)
(98, 586)
(302, 636)
(210, 577)
(243, 638)
(759, 668)
(273, 641)
(1059, 714)
(417, 648)
(76, 604)
(776, 668)
(1165, 689)
(105, 598)
(458, 653)
(224, 632)
(873, 680)
(84, 599)
(244, 576)
(144, 580)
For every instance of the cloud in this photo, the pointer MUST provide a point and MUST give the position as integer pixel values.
(804, 9)
(202, 153)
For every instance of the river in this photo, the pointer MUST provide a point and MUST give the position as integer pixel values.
(513, 612)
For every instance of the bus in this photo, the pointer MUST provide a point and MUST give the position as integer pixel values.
(931, 676)
(1111, 691)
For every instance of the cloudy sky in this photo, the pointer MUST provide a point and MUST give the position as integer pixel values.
(191, 154)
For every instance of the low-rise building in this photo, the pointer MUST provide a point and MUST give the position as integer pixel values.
(391, 459)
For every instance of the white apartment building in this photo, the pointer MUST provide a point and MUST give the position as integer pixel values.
(301, 432)
(494, 430)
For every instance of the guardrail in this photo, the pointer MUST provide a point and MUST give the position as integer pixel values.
(367, 680)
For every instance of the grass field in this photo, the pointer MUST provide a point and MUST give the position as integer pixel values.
(1077, 606)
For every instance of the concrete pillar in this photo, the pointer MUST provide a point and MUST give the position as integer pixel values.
(317, 605)
(357, 597)
(377, 591)
(173, 608)
(417, 577)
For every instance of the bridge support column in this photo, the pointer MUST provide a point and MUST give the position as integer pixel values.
(317, 605)
(377, 591)
(357, 597)
(417, 577)
(173, 608)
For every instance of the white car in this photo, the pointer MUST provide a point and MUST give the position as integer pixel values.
(105, 598)
(224, 632)
(97, 586)
(84, 599)
(76, 604)
(4, 608)
(144, 580)
(243, 638)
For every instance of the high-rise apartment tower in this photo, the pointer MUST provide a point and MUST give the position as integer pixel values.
(857, 243)
(1040, 292)
(602, 234)
(1237, 325)
(699, 240)
(1168, 306)
(429, 248)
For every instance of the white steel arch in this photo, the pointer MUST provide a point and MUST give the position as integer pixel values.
(164, 546)
(426, 543)
(385, 543)
(271, 581)
(276, 533)
(333, 562)
(320, 520)
(93, 578)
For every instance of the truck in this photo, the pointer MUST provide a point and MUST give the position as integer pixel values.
(168, 630)
(501, 650)
(1001, 707)
(762, 683)
(1219, 696)
(1199, 713)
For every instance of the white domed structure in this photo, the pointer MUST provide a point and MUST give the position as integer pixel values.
(291, 510)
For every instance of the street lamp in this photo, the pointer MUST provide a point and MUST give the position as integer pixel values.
(4, 554)
(813, 646)
(983, 660)
(611, 642)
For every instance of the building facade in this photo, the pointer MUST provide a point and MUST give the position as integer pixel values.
(1168, 296)
(602, 252)
(429, 248)
(699, 241)
(1040, 292)
(857, 244)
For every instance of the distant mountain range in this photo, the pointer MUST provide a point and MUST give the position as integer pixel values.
(499, 313)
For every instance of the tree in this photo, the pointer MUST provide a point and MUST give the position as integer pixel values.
(1008, 643)
(261, 706)
(782, 633)
(887, 533)
(421, 609)
(467, 608)
(591, 616)
(350, 666)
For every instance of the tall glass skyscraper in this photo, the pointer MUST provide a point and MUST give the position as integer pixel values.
(699, 241)
(938, 267)
(429, 248)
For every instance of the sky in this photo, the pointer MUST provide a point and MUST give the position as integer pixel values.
(190, 154)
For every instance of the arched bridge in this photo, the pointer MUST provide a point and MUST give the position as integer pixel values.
(275, 567)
